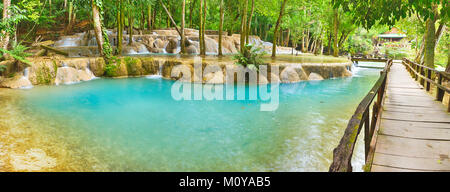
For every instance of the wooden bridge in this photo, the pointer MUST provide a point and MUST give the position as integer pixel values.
(409, 129)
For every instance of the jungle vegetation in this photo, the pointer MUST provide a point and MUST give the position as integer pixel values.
(332, 27)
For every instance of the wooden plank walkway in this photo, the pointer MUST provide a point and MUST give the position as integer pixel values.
(414, 133)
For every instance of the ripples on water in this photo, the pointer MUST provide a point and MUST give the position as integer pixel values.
(134, 125)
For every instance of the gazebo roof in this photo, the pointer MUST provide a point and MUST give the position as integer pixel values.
(393, 33)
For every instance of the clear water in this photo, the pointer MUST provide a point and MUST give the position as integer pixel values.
(134, 125)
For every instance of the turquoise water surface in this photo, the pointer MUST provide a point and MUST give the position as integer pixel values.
(134, 124)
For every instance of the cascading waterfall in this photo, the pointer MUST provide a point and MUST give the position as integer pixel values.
(85, 41)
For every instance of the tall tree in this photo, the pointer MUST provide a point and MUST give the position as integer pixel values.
(120, 26)
(104, 47)
(244, 25)
(149, 16)
(247, 31)
(6, 16)
(130, 23)
(221, 28)
(335, 32)
(183, 38)
(277, 26)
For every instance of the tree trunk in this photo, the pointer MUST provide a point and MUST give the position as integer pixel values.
(183, 14)
(105, 49)
(274, 47)
(6, 15)
(201, 42)
(335, 33)
(243, 25)
(191, 11)
(329, 43)
(247, 31)
(448, 62)
(221, 28)
(205, 9)
(120, 26)
(286, 44)
(97, 27)
(419, 56)
(439, 34)
(130, 26)
(430, 43)
(149, 17)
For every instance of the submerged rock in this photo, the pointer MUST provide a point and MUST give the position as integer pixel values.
(32, 160)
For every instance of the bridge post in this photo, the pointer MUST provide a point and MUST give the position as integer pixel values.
(439, 92)
(429, 77)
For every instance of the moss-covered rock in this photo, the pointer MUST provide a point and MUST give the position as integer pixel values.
(134, 66)
(97, 66)
(43, 72)
(149, 65)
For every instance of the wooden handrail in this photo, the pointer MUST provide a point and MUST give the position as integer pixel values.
(342, 154)
(428, 76)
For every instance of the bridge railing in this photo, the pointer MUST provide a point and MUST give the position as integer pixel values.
(428, 77)
(342, 154)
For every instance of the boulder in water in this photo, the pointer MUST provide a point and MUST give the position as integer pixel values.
(315, 77)
(172, 46)
(16, 82)
(289, 75)
(191, 49)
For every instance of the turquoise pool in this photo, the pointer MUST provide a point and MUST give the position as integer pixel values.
(134, 124)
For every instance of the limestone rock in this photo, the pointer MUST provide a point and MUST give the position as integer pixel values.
(43, 72)
(17, 82)
(66, 75)
(262, 80)
(97, 66)
(214, 78)
(191, 49)
(172, 46)
(289, 75)
(315, 77)
(158, 43)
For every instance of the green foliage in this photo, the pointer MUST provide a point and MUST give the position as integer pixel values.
(18, 52)
(111, 67)
(394, 51)
(251, 57)
(2, 68)
(368, 13)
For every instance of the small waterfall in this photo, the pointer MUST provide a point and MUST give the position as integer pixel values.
(355, 69)
(25, 78)
(143, 49)
(158, 74)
